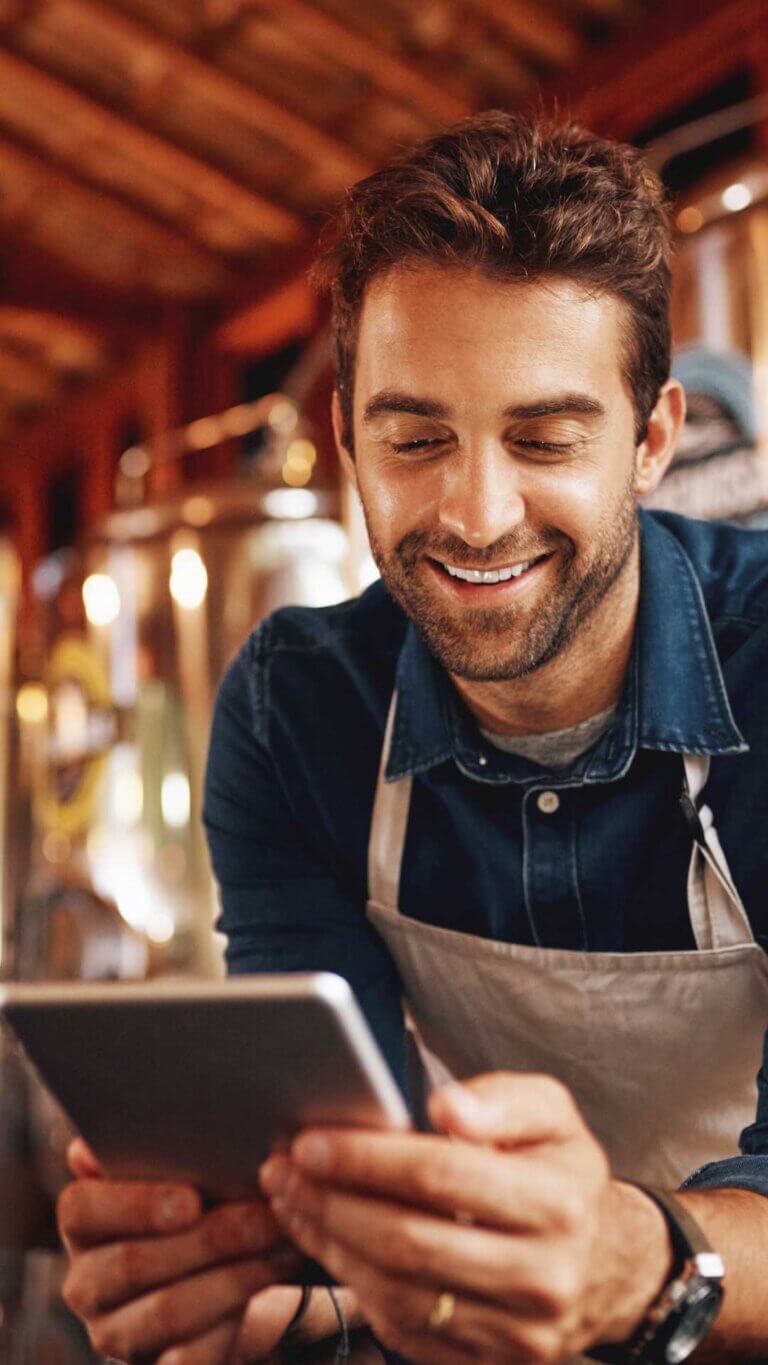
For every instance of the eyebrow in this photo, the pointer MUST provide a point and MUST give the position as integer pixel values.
(392, 401)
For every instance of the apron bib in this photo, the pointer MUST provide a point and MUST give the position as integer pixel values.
(660, 1049)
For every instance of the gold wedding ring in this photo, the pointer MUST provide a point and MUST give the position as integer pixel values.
(442, 1312)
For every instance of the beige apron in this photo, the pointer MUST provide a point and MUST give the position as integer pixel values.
(660, 1049)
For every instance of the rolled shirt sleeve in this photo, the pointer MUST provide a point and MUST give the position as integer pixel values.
(749, 1170)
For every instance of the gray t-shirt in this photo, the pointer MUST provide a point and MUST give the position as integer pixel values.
(556, 748)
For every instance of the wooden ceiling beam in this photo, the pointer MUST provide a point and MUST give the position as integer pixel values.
(640, 77)
(52, 180)
(64, 345)
(540, 32)
(177, 232)
(237, 97)
(25, 379)
(609, 11)
(384, 70)
(34, 279)
(213, 188)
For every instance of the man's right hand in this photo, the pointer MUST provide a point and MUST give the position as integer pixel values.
(152, 1274)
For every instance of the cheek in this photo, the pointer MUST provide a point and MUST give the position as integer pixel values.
(578, 502)
(398, 501)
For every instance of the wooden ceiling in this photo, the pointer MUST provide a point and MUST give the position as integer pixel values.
(173, 149)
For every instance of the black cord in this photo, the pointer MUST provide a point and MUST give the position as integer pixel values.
(301, 1308)
(342, 1350)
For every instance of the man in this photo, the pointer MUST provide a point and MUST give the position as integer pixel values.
(501, 750)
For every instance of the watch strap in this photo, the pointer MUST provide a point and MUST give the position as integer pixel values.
(686, 1236)
(687, 1240)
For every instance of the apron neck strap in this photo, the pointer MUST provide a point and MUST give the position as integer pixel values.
(718, 917)
(388, 825)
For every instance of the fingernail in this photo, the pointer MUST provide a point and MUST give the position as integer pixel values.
(274, 1175)
(176, 1208)
(313, 1153)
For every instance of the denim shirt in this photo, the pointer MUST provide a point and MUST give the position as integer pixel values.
(295, 747)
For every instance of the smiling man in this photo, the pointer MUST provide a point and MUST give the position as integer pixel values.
(488, 790)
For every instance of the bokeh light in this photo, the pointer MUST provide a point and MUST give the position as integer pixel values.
(101, 599)
(189, 578)
(32, 704)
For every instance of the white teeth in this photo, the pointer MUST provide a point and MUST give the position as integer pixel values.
(489, 575)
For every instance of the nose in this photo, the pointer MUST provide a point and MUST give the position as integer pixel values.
(481, 497)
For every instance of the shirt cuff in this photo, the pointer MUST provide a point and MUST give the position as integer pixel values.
(735, 1172)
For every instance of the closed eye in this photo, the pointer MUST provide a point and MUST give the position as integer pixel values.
(405, 446)
(550, 446)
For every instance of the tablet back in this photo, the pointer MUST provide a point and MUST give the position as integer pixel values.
(200, 1081)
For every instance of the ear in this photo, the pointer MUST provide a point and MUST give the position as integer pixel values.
(654, 454)
(346, 457)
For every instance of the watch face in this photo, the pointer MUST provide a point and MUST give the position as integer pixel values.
(697, 1314)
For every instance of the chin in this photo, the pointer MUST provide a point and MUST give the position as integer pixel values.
(466, 658)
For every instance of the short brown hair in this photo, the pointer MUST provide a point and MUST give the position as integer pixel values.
(516, 196)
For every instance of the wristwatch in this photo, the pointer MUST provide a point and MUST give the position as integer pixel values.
(687, 1305)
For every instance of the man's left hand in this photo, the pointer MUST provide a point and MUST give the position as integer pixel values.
(502, 1237)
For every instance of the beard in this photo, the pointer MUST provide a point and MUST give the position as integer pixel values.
(498, 644)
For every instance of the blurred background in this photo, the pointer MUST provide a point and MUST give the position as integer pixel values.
(166, 469)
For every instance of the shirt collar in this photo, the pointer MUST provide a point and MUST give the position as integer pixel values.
(684, 703)
(674, 696)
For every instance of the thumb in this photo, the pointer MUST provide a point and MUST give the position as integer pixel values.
(81, 1160)
(507, 1109)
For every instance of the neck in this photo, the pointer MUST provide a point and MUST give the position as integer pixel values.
(583, 680)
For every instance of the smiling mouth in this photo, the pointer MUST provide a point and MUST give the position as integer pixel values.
(502, 574)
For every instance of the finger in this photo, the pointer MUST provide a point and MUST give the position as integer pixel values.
(347, 1267)
(266, 1320)
(216, 1347)
(269, 1314)
(81, 1160)
(91, 1212)
(407, 1307)
(506, 1108)
(433, 1251)
(501, 1189)
(181, 1312)
(425, 1349)
(106, 1276)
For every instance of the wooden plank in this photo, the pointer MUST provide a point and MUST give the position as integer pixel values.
(193, 236)
(288, 311)
(537, 30)
(239, 98)
(35, 280)
(94, 121)
(659, 63)
(57, 184)
(384, 70)
(609, 11)
(25, 379)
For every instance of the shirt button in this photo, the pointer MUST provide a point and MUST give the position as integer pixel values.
(482, 760)
(548, 802)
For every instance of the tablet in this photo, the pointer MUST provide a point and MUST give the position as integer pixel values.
(199, 1082)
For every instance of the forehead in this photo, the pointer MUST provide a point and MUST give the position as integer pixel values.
(463, 337)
